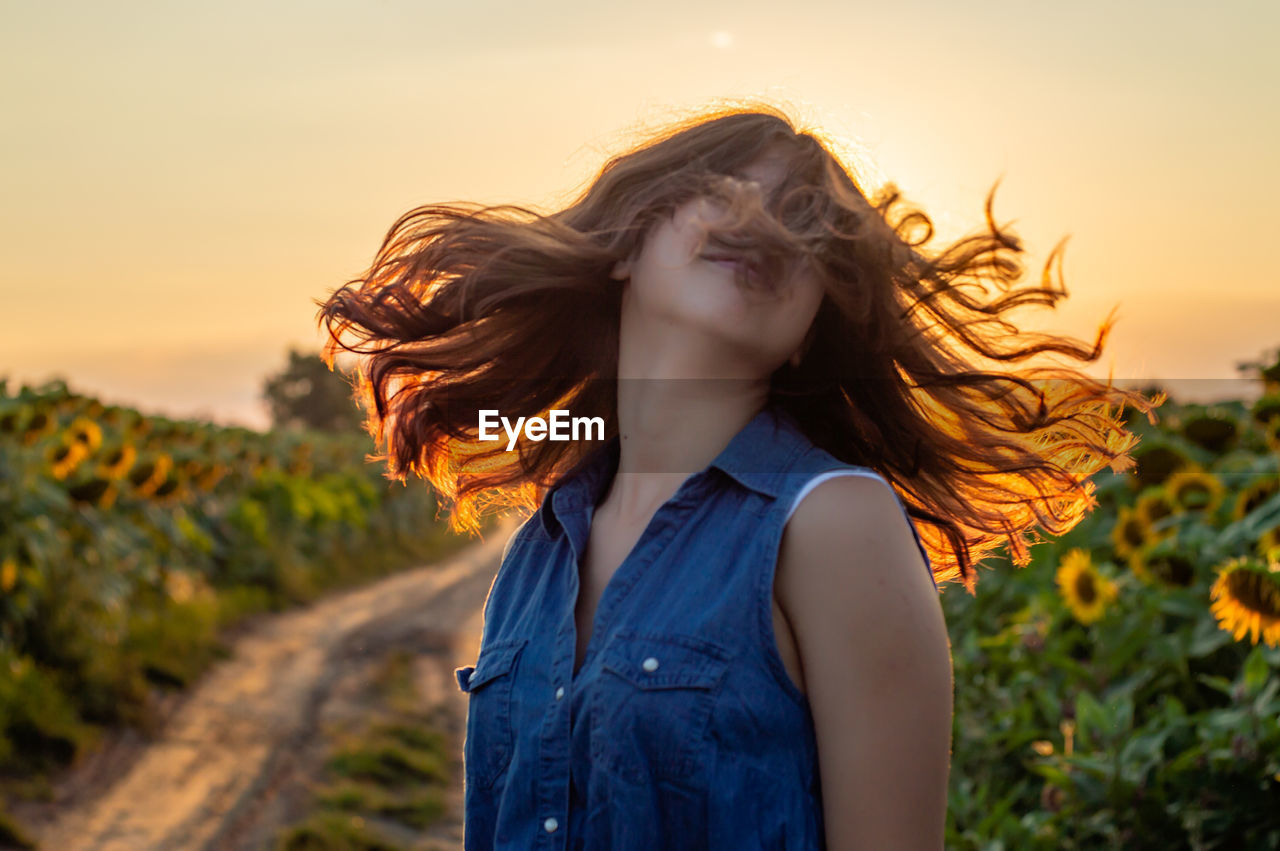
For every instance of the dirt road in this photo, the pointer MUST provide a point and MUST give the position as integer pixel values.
(234, 761)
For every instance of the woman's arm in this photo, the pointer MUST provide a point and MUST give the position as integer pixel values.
(877, 665)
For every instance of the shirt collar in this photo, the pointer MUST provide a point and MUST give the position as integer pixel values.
(756, 457)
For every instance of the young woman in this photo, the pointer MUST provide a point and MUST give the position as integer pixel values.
(720, 627)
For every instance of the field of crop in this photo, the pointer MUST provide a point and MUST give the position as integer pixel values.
(1120, 690)
(131, 545)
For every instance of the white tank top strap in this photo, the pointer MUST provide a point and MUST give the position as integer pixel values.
(822, 477)
(831, 474)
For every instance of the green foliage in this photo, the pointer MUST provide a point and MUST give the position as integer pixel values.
(332, 831)
(1150, 727)
(37, 718)
(384, 778)
(110, 597)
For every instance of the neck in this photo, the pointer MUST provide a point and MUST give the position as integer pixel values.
(672, 420)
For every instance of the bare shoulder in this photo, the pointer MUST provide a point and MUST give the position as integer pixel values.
(873, 644)
(852, 530)
(849, 568)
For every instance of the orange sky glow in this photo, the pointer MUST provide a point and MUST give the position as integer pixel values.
(181, 180)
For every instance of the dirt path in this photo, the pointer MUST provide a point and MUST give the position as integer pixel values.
(233, 763)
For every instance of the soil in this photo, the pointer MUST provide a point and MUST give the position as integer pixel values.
(233, 760)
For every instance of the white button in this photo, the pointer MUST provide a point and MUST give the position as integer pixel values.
(550, 825)
(650, 664)
(560, 692)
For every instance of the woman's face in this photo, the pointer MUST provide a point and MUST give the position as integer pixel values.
(668, 280)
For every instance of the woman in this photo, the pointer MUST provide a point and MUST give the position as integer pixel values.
(720, 627)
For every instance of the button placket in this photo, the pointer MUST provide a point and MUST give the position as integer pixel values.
(653, 543)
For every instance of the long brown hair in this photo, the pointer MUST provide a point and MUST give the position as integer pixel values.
(469, 307)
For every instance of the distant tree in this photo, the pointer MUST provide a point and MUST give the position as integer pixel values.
(307, 394)
(1269, 372)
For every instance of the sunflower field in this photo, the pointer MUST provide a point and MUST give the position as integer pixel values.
(129, 543)
(1121, 689)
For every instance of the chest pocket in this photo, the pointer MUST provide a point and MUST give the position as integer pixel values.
(653, 704)
(490, 737)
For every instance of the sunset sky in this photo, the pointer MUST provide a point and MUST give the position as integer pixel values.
(179, 180)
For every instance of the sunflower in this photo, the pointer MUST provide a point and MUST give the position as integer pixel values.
(149, 475)
(1162, 563)
(1193, 489)
(170, 490)
(1268, 542)
(210, 476)
(11, 419)
(63, 458)
(87, 432)
(1262, 489)
(1214, 429)
(1154, 504)
(38, 425)
(8, 574)
(1085, 591)
(182, 586)
(1157, 462)
(1271, 434)
(1246, 598)
(118, 461)
(1129, 533)
(1266, 410)
(298, 468)
(95, 491)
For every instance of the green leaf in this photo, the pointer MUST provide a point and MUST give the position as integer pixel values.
(1173, 603)
(1256, 670)
(1172, 711)
(1129, 646)
(1185, 761)
(1142, 752)
(1051, 772)
(1252, 525)
(1058, 659)
(1221, 684)
(997, 814)
(1120, 713)
(1208, 638)
(1262, 705)
(1091, 765)
(1092, 723)
(1224, 721)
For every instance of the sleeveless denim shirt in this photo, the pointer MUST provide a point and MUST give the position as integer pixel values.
(682, 728)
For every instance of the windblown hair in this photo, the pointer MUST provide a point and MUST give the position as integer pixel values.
(469, 307)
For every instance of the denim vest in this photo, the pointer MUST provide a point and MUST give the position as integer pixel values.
(682, 728)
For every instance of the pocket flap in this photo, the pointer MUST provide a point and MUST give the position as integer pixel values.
(665, 661)
(494, 661)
